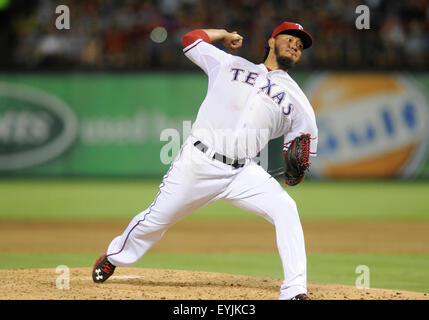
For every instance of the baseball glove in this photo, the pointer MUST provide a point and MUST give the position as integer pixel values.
(296, 160)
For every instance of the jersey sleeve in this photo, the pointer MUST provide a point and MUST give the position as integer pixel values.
(303, 122)
(198, 49)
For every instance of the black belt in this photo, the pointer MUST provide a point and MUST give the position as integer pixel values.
(231, 162)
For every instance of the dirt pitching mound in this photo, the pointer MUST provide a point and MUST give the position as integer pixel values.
(160, 284)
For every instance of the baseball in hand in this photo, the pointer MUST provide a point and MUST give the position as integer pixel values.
(233, 41)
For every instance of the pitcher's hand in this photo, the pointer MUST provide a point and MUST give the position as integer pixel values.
(232, 40)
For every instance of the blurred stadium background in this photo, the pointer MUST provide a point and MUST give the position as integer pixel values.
(123, 35)
(109, 98)
(98, 99)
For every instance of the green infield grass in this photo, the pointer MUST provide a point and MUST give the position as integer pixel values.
(26, 200)
(118, 199)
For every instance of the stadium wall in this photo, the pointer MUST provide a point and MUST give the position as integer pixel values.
(371, 125)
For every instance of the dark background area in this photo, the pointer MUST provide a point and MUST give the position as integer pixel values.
(116, 35)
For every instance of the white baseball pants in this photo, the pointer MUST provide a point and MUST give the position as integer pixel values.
(194, 180)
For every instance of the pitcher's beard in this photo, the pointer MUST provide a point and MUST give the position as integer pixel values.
(285, 63)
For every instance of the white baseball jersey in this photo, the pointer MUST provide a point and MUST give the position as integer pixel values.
(246, 105)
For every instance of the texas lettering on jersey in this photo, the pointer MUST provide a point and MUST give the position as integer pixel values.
(239, 110)
(250, 77)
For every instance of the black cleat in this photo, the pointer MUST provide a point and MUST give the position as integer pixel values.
(301, 296)
(102, 270)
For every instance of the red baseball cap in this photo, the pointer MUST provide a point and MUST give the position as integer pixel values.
(294, 29)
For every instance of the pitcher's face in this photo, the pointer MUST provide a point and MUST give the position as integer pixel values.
(289, 46)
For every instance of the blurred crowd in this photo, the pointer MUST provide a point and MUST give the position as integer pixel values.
(146, 35)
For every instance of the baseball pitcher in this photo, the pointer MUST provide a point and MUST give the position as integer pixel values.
(246, 105)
